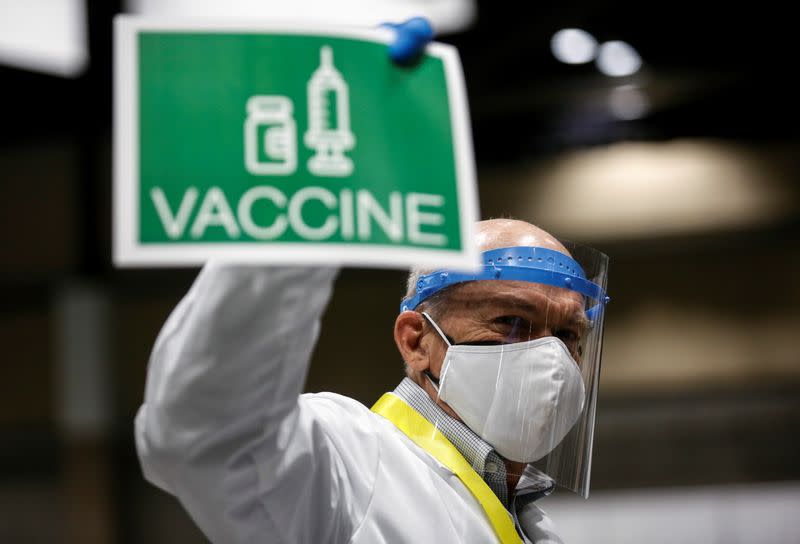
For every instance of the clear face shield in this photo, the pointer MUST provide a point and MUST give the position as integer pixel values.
(523, 340)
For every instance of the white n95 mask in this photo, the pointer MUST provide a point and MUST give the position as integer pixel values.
(521, 398)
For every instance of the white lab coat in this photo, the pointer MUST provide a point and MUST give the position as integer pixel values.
(224, 428)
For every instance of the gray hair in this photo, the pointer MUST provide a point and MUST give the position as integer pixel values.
(435, 304)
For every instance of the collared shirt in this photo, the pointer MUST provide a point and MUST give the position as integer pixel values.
(533, 484)
(484, 460)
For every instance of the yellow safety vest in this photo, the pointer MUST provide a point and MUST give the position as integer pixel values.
(426, 436)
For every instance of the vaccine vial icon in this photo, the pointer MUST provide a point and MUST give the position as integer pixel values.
(328, 131)
(270, 136)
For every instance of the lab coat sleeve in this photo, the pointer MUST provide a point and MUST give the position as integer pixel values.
(222, 426)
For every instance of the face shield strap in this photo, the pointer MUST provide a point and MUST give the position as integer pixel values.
(520, 263)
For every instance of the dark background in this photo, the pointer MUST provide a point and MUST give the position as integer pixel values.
(701, 373)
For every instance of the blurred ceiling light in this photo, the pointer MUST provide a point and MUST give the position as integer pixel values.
(628, 102)
(640, 190)
(573, 46)
(44, 36)
(445, 15)
(618, 59)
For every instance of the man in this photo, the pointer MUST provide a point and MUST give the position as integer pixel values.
(498, 374)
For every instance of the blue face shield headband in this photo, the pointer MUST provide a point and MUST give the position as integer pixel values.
(520, 263)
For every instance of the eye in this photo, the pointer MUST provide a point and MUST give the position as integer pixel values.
(505, 319)
(568, 336)
(572, 339)
(513, 327)
(513, 322)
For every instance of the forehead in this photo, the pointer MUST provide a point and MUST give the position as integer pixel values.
(520, 295)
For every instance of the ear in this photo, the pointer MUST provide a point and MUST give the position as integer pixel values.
(408, 331)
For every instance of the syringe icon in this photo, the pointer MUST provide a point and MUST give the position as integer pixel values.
(329, 120)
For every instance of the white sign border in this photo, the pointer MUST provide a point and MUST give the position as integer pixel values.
(129, 252)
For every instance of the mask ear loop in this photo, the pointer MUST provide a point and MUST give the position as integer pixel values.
(435, 326)
(435, 381)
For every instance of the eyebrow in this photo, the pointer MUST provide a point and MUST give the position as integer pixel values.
(577, 318)
(580, 320)
(509, 299)
(506, 299)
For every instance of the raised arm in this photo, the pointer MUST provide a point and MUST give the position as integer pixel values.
(221, 426)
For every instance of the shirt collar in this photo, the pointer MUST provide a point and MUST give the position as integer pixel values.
(484, 460)
(533, 483)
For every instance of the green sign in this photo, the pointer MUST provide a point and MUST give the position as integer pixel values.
(288, 144)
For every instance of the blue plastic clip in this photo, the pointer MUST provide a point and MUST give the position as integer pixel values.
(411, 38)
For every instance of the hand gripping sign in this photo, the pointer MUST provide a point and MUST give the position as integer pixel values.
(288, 144)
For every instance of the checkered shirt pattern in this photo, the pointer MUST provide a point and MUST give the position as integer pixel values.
(484, 460)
